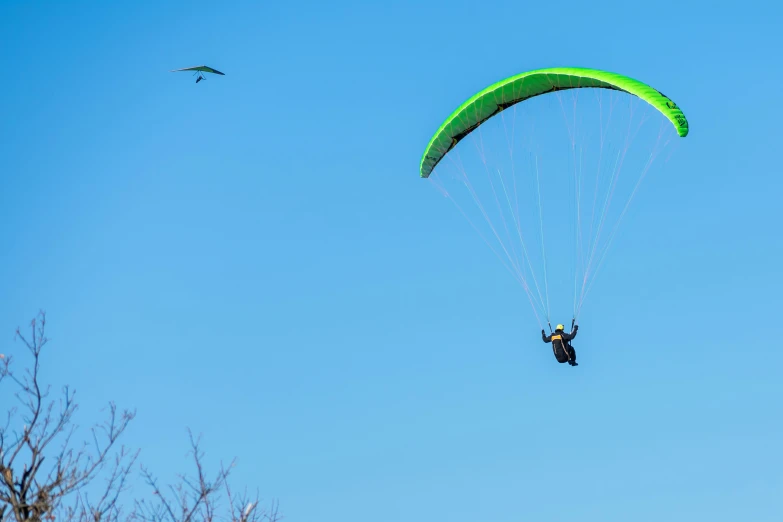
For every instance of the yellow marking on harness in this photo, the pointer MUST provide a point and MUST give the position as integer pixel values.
(556, 338)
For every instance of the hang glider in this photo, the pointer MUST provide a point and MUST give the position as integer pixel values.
(200, 69)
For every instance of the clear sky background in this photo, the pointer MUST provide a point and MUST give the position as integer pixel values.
(255, 257)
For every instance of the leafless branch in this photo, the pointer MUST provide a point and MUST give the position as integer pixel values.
(38, 492)
(197, 499)
(65, 489)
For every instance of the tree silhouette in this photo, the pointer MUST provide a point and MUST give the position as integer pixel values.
(45, 475)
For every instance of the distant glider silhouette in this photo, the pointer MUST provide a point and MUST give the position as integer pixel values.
(199, 69)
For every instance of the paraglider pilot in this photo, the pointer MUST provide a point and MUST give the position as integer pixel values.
(561, 344)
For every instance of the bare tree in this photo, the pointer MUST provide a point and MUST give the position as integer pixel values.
(59, 491)
(31, 491)
(197, 499)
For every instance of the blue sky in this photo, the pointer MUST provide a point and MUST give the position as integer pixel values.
(256, 258)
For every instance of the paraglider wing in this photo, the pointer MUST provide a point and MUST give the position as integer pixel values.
(201, 68)
(515, 89)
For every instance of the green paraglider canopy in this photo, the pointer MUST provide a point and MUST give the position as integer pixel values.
(521, 87)
(513, 168)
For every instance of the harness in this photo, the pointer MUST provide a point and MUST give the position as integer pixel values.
(558, 337)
